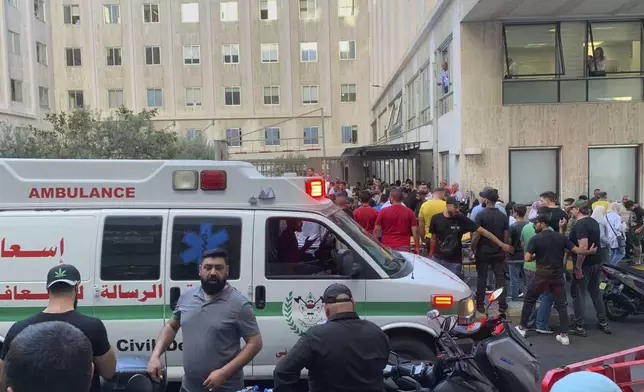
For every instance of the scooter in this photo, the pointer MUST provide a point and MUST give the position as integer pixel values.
(623, 291)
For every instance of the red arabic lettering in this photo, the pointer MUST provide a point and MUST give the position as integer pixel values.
(117, 292)
(15, 250)
(83, 193)
(27, 295)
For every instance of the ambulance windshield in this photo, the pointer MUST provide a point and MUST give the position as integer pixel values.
(387, 260)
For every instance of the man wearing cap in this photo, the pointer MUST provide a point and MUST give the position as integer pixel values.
(345, 353)
(63, 282)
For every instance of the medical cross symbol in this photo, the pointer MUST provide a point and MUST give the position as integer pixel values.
(199, 243)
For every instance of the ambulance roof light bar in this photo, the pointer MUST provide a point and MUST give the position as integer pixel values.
(315, 188)
(189, 180)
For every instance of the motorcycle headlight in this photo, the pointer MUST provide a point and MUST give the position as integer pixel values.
(466, 310)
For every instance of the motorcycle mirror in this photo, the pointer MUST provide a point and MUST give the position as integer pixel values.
(433, 314)
(495, 294)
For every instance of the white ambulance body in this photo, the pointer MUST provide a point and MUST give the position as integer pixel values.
(136, 231)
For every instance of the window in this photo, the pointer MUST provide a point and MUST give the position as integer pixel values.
(310, 135)
(346, 8)
(152, 55)
(614, 170)
(190, 13)
(308, 51)
(269, 53)
(73, 57)
(151, 13)
(614, 48)
(232, 96)
(131, 248)
(272, 95)
(16, 90)
(268, 9)
(41, 53)
(349, 134)
(308, 9)
(39, 9)
(155, 97)
(445, 166)
(531, 50)
(113, 56)
(43, 97)
(112, 13)
(191, 233)
(234, 137)
(114, 98)
(348, 93)
(13, 3)
(14, 42)
(309, 95)
(347, 50)
(75, 98)
(194, 133)
(272, 136)
(71, 14)
(231, 53)
(533, 172)
(229, 11)
(193, 96)
(191, 54)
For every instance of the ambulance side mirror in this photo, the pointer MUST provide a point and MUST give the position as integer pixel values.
(175, 293)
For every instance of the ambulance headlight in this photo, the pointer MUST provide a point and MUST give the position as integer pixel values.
(185, 180)
(466, 310)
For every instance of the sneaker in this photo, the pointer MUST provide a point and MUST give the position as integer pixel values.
(545, 331)
(563, 339)
(522, 332)
(579, 331)
(605, 328)
(520, 295)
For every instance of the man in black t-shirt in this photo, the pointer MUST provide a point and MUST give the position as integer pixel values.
(447, 230)
(63, 283)
(587, 271)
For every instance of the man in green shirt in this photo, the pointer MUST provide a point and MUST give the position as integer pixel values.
(540, 318)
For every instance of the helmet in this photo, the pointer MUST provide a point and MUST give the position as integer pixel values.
(585, 381)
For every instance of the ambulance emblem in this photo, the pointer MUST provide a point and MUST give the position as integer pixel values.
(301, 313)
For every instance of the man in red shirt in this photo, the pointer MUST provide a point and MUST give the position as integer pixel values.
(366, 215)
(396, 223)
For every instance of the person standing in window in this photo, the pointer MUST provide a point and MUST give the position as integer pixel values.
(444, 77)
(597, 63)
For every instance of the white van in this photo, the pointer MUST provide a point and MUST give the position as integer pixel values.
(136, 231)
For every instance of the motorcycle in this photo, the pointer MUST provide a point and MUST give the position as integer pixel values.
(623, 291)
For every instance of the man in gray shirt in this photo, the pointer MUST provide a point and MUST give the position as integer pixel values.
(214, 317)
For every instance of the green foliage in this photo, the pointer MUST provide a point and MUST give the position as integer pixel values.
(84, 134)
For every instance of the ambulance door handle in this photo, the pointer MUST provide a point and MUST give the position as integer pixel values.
(260, 297)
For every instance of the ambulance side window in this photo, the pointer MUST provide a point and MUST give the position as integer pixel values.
(131, 248)
(191, 235)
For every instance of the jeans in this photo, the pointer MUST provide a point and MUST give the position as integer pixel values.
(540, 317)
(604, 254)
(516, 281)
(588, 284)
(617, 254)
(637, 248)
(497, 264)
(455, 268)
(557, 286)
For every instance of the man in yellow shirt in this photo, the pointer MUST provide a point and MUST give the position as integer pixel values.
(430, 208)
(603, 201)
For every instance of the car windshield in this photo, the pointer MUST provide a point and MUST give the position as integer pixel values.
(391, 263)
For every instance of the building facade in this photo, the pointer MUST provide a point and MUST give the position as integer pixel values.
(27, 81)
(272, 77)
(524, 96)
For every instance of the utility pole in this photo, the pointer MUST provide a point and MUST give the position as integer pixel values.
(325, 166)
(435, 123)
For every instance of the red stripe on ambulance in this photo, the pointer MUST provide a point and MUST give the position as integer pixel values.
(82, 193)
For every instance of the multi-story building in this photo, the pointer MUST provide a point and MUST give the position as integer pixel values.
(525, 96)
(270, 76)
(26, 83)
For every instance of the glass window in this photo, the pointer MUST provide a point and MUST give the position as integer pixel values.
(229, 11)
(14, 42)
(75, 99)
(39, 9)
(310, 135)
(532, 50)
(232, 96)
(192, 133)
(114, 56)
(191, 54)
(115, 98)
(152, 55)
(73, 57)
(272, 136)
(271, 95)
(614, 47)
(16, 90)
(308, 51)
(231, 53)
(234, 137)
(131, 248)
(533, 172)
(346, 8)
(349, 134)
(112, 13)
(308, 9)
(614, 170)
(270, 53)
(348, 93)
(71, 14)
(573, 45)
(190, 13)
(151, 13)
(43, 97)
(309, 95)
(193, 96)
(41, 53)
(155, 97)
(268, 9)
(445, 166)
(13, 3)
(347, 50)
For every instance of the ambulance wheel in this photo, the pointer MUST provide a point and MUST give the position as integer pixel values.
(411, 348)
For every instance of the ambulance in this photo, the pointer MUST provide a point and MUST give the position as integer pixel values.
(136, 231)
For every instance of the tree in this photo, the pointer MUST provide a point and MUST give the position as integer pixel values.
(83, 134)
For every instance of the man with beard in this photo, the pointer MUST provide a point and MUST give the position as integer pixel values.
(63, 282)
(214, 317)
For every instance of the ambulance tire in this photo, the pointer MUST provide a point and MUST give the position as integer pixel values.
(411, 348)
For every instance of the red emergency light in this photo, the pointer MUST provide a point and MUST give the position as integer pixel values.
(439, 301)
(213, 180)
(315, 188)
